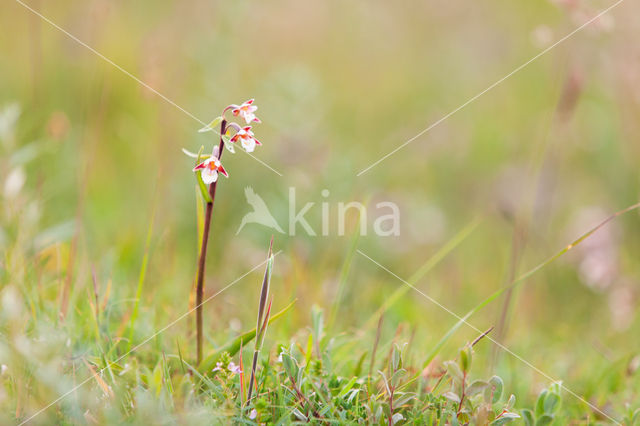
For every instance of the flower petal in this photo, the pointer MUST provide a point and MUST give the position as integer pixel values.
(209, 176)
(249, 144)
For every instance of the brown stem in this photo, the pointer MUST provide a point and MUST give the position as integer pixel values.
(203, 252)
(464, 379)
(254, 363)
(303, 398)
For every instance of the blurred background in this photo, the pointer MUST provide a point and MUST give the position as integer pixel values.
(87, 152)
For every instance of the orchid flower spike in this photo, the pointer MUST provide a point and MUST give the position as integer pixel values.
(246, 111)
(210, 168)
(246, 138)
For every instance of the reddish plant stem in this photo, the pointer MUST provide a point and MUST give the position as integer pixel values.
(203, 251)
(464, 379)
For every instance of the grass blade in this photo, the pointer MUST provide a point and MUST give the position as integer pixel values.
(263, 317)
(344, 274)
(232, 347)
(143, 273)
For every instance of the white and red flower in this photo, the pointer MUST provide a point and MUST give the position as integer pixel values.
(246, 111)
(209, 170)
(246, 138)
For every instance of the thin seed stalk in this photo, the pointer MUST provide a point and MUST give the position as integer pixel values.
(264, 311)
(203, 251)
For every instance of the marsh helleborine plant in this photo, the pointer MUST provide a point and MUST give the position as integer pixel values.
(207, 170)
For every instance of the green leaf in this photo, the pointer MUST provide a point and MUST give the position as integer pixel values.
(510, 415)
(396, 358)
(352, 395)
(317, 322)
(551, 403)
(204, 191)
(189, 153)
(476, 387)
(502, 421)
(397, 376)
(309, 352)
(290, 365)
(454, 371)
(157, 379)
(211, 126)
(454, 420)
(299, 415)
(452, 396)
(556, 387)
(386, 409)
(465, 358)
(505, 418)
(397, 417)
(401, 399)
(540, 403)
(347, 387)
(528, 417)
(511, 402)
(493, 393)
(544, 420)
(233, 346)
(386, 382)
(263, 308)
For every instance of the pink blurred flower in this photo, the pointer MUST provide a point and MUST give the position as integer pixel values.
(246, 111)
(209, 169)
(246, 138)
(236, 369)
(218, 367)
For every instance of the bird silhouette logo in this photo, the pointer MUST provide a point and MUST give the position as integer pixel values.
(260, 213)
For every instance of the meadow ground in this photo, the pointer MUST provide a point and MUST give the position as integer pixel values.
(482, 141)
